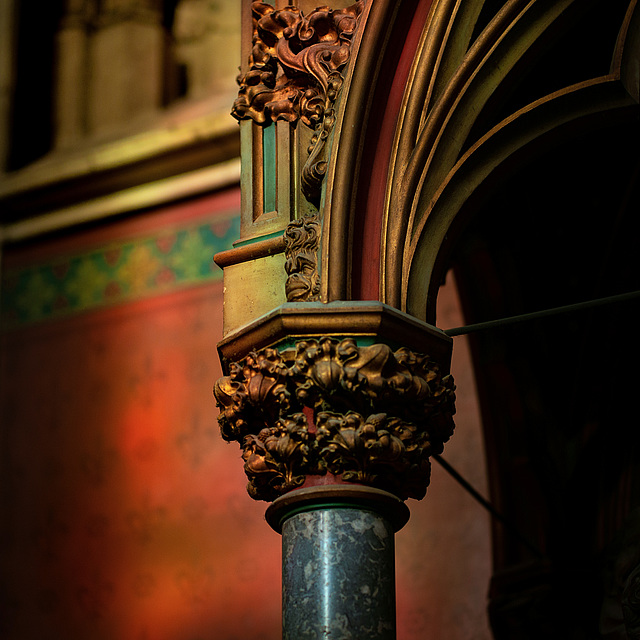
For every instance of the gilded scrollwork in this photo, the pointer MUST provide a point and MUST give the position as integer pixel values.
(255, 393)
(302, 239)
(378, 415)
(295, 73)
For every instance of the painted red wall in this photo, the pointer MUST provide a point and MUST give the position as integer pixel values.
(124, 514)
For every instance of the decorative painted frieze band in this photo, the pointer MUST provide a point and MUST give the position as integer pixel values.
(116, 272)
(378, 415)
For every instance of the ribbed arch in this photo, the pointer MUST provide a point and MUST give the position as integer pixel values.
(435, 167)
(431, 182)
(528, 131)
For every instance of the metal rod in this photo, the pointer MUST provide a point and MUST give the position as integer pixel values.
(487, 505)
(535, 315)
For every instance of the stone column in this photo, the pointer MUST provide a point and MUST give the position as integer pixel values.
(7, 76)
(337, 408)
(110, 71)
(338, 563)
(207, 38)
(125, 65)
(72, 78)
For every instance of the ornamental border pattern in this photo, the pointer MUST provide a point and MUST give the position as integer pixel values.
(167, 260)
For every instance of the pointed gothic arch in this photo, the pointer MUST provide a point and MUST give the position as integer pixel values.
(440, 154)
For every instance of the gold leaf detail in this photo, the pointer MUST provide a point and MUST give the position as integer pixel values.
(378, 415)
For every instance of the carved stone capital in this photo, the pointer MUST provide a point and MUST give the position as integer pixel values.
(365, 414)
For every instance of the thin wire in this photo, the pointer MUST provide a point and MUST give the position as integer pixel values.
(487, 505)
(497, 324)
(526, 317)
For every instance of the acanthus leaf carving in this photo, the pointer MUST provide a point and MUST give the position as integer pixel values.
(378, 415)
(277, 459)
(361, 450)
(302, 240)
(254, 394)
(295, 74)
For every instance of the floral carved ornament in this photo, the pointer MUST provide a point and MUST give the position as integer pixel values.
(377, 415)
(302, 240)
(295, 74)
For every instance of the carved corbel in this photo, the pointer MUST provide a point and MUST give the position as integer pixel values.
(295, 74)
(365, 414)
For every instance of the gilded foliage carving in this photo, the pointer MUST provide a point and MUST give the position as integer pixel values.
(382, 451)
(378, 415)
(255, 393)
(277, 459)
(302, 239)
(310, 50)
(295, 73)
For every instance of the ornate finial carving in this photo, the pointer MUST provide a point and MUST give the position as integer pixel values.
(311, 52)
(302, 239)
(378, 415)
